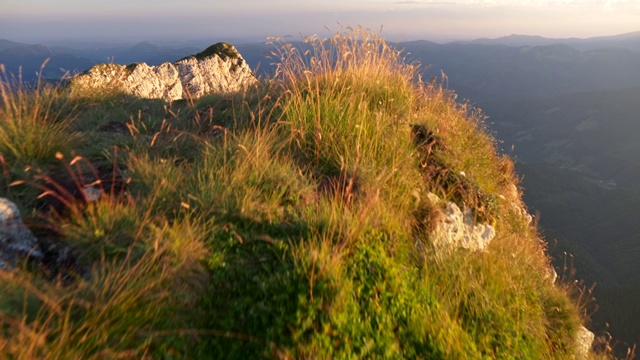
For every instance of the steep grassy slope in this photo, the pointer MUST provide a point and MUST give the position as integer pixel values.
(290, 222)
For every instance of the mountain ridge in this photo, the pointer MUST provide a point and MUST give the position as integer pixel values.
(629, 40)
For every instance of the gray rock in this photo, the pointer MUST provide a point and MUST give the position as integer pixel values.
(218, 69)
(91, 194)
(514, 198)
(551, 275)
(16, 240)
(584, 342)
(458, 230)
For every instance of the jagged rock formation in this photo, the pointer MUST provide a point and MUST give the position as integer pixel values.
(458, 229)
(218, 69)
(16, 240)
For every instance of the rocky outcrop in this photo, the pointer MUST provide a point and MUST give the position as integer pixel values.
(458, 229)
(584, 341)
(16, 240)
(514, 198)
(218, 69)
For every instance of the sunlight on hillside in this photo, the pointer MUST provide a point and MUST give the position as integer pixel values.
(293, 220)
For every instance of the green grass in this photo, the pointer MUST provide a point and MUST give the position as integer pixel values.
(290, 221)
(34, 126)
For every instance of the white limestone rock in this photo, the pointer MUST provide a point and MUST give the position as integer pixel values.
(154, 82)
(16, 240)
(458, 230)
(551, 275)
(218, 69)
(584, 342)
(213, 74)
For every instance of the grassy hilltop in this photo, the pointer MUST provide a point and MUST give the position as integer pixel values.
(291, 221)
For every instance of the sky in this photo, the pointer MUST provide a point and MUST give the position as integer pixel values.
(130, 21)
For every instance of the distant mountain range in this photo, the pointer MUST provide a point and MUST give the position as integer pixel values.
(492, 56)
(479, 72)
(142, 52)
(28, 59)
(628, 41)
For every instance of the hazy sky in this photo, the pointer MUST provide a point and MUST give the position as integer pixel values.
(250, 20)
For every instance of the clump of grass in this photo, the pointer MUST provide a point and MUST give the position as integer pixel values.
(113, 313)
(144, 277)
(34, 122)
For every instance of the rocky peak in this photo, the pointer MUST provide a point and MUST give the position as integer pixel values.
(221, 49)
(218, 69)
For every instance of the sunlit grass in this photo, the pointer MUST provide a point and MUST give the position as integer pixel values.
(291, 221)
(33, 122)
